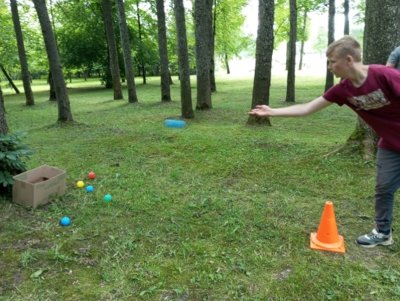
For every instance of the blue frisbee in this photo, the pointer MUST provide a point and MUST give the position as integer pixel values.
(175, 123)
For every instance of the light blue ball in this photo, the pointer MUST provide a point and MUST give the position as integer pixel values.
(174, 123)
(107, 198)
(65, 221)
(89, 188)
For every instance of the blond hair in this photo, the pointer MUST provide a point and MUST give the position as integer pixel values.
(345, 46)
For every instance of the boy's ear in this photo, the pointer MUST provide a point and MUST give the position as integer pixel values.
(349, 59)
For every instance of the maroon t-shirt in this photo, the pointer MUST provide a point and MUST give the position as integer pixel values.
(376, 101)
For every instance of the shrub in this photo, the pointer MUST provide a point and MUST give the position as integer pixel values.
(12, 153)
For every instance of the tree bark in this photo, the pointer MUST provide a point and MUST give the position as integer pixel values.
(213, 33)
(264, 50)
(112, 48)
(331, 37)
(10, 81)
(64, 110)
(141, 54)
(203, 28)
(126, 48)
(226, 60)
(52, 93)
(183, 60)
(291, 77)
(302, 40)
(3, 121)
(22, 54)
(163, 51)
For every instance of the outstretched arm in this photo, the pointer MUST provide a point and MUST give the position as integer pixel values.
(292, 111)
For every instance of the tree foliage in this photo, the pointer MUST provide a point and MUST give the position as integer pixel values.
(12, 159)
(80, 35)
(230, 39)
(8, 45)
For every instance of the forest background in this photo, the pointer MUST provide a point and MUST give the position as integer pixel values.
(219, 210)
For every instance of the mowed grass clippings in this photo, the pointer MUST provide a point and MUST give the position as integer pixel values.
(219, 210)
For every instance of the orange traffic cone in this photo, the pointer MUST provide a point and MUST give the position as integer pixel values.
(327, 238)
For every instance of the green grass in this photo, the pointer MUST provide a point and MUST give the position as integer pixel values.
(216, 211)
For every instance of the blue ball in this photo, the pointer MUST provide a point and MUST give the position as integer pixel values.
(89, 188)
(65, 221)
(173, 123)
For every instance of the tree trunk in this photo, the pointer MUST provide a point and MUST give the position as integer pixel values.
(64, 111)
(22, 54)
(112, 48)
(228, 69)
(346, 17)
(302, 40)
(10, 81)
(3, 121)
(126, 48)
(362, 141)
(379, 40)
(203, 23)
(141, 54)
(183, 60)
(290, 87)
(213, 85)
(331, 37)
(163, 51)
(52, 94)
(264, 49)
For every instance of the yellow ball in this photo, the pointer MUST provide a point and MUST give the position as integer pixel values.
(80, 184)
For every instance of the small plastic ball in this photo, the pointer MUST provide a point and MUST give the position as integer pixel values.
(89, 188)
(80, 184)
(91, 175)
(107, 198)
(65, 221)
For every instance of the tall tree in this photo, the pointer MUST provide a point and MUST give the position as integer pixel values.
(163, 51)
(303, 39)
(203, 29)
(230, 40)
(282, 23)
(379, 40)
(213, 33)
(112, 48)
(331, 37)
(126, 48)
(30, 100)
(183, 59)
(264, 50)
(52, 92)
(141, 43)
(290, 87)
(3, 121)
(64, 110)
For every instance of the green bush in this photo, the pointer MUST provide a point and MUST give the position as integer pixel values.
(12, 153)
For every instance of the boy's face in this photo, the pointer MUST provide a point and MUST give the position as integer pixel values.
(339, 66)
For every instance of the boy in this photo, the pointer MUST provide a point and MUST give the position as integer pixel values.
(373, 92)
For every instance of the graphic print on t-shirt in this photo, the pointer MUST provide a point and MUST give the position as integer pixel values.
(373, 100)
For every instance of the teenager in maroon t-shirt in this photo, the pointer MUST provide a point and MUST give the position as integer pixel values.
(373, 92)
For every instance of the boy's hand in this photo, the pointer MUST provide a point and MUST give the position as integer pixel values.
(262, 111)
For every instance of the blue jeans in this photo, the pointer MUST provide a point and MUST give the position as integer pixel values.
(387, 182)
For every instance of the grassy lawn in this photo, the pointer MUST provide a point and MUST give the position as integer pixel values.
(216, 211)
